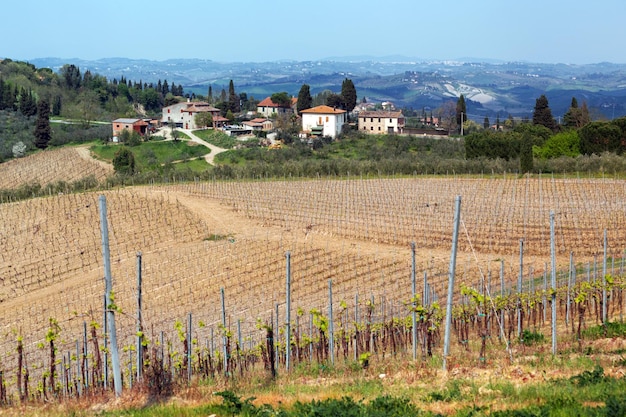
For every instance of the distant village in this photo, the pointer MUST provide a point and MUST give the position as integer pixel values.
(319, 121)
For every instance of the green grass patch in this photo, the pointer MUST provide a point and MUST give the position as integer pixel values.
(216, 137)
(609, 329)
(152, 155)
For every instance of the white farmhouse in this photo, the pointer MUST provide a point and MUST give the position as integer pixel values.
(183, 114)
(323, 121)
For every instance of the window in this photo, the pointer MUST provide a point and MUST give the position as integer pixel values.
(378, 127)
(371, 127)
(168, 110)
(319, 121)
(379, 120)
(372, 119)
(326, 118)
(390, 120)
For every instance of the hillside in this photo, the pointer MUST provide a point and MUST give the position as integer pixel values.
(198, 238)
(67, 164)
(490, 87)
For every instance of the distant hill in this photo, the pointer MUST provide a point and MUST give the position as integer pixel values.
(490, 87)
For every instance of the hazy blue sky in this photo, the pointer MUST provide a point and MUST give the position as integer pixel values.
(544, 31)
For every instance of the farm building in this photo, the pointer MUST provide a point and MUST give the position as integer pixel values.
(377, 122)
(138, 125)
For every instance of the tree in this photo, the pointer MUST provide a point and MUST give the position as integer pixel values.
(542, 115)
(348, 95)
(526, 154)
(204, 119)
(576, 117)
(57, 105)
(210, 95)
(124, 161)
(43, 133)
(305, 100)
(461, 111)
(19, 150)
(233, 98)
(486, 123)
(447, 116)
(334, 100)
(28, 105)
(283, 99)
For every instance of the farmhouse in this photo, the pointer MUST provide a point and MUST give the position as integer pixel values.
(183, 114)
(323, 121)
(267, 107)
(259, 124)
(377, 122)
(138, 125)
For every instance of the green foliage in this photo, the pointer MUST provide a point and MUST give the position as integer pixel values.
(542, 115)
(526, 154)
(587, 378)
(42, 125)
(598, 137)
(562, 144)
(608, 329)
(348, 95)
(283, 99)
(530, 338)
(305, 100)
(124, 161)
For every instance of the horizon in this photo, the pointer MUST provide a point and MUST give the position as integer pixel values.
(557, 32)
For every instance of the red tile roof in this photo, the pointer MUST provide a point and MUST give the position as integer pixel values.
(323, 110)
(267, 102)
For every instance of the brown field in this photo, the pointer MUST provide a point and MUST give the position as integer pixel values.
(67, 164)
(197, 238)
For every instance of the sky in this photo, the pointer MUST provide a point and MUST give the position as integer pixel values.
(541, 31)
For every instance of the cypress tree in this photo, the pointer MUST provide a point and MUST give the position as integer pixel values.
(526, 154)
(43, 133)
(304, 98)
(348, 94)
(542, 115)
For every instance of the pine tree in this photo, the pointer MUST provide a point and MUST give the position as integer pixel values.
(210, 95)
(542, 115)
(304, 98)
(43, 133)
(486, 122)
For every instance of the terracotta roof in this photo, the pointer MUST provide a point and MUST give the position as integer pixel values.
(201, 107)
(381, 113)
(267, 102)
(258, 120)
(323, 110)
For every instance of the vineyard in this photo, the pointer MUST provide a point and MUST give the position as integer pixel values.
(67, 164)
(214, 260)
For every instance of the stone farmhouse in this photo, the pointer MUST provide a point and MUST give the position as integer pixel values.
(183, 114)
(381, 122)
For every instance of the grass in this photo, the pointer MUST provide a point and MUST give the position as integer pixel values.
(151, 155)
(216, 137)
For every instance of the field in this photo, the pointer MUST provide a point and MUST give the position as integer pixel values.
(197, 238)
(66, 164)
